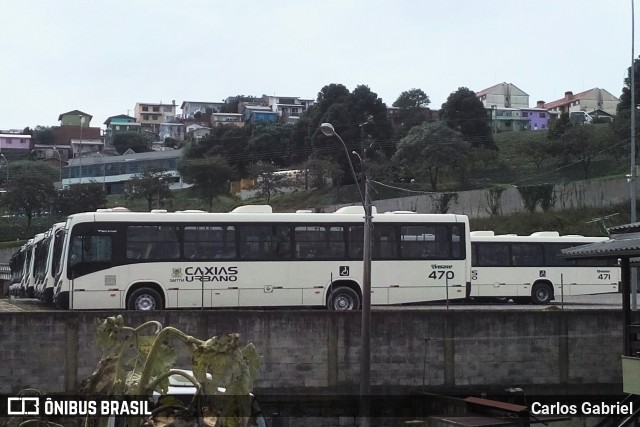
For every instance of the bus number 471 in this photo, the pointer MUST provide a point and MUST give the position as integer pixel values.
(604, 276)
(436, 275)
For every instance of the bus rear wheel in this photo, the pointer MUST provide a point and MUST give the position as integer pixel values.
(541, 294)
(144, 299)
(343, 299)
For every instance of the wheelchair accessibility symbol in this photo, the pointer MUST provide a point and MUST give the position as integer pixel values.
(344, 270)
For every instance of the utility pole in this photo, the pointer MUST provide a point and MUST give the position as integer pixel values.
(633, 174)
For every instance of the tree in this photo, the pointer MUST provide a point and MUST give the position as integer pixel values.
(80, 198)
(465, 113)
(44, 135)
(428, 150)
(229, 142)
(359, 117)
(271, 143)
(210, 175)
(583, 142)
(232, 102)
(559, 126)
(123, 141)
(267, 180)
(317, 171)
(411, 106)
(412, 99)
(30, 188)
(150, 185)
(622, 120)
(538, 151)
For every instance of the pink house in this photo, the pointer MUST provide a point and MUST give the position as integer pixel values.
(13, 142)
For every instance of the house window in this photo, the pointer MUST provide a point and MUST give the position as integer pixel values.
(167, 109)
(145, 117)
(525, 114)
(156, 109)
(117, 127)
(507, 123)
(145, 108)
(543, 115)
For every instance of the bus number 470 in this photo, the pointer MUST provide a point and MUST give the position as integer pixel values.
(604, 276)
(436, 275)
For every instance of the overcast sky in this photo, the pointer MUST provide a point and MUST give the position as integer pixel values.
(101, 57)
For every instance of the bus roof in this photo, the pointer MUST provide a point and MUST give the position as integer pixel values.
(260, 213)
(539, 236)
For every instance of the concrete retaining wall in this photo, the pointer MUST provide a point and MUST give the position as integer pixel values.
(437, 349)
(578, 194)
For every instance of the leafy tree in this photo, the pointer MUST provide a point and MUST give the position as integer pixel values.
(231, 105)
(267, 180)
(358, 117)
(534, 195)
(492, 197)
(430, 149)
(559, 126)
(80, 198)
(411, 106)
(229, 142)
(412, 99)
(443, 201)
(319, 171)
(622, 120)
(150, 185)
(271, 143)
(210, 175)
(123, 141)
(30, 188)
(465, 113)
(538, 151)
(43, 135)
(583, 142)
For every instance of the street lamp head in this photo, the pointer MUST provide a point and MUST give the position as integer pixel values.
(327, 129)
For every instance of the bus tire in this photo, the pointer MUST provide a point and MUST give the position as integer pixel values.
(343, 299)
(541, 293)
(144, 299)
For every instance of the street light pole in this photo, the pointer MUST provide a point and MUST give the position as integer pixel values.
(80, 146)
(633, 175)
(365, 324)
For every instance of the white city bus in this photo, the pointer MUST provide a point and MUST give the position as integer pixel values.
(48, 262)
(17, 265)
(531, 268)
(28, 281)
(251, 257)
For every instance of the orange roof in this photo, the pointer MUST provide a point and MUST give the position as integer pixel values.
(564, 101)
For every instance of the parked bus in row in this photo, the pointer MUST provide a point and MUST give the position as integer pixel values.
(47, 262)
(531, 268)
(252, 257)
(17, 266)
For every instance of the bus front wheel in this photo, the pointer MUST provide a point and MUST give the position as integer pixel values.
(343, 299)
(541, 293)
(144, 299)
